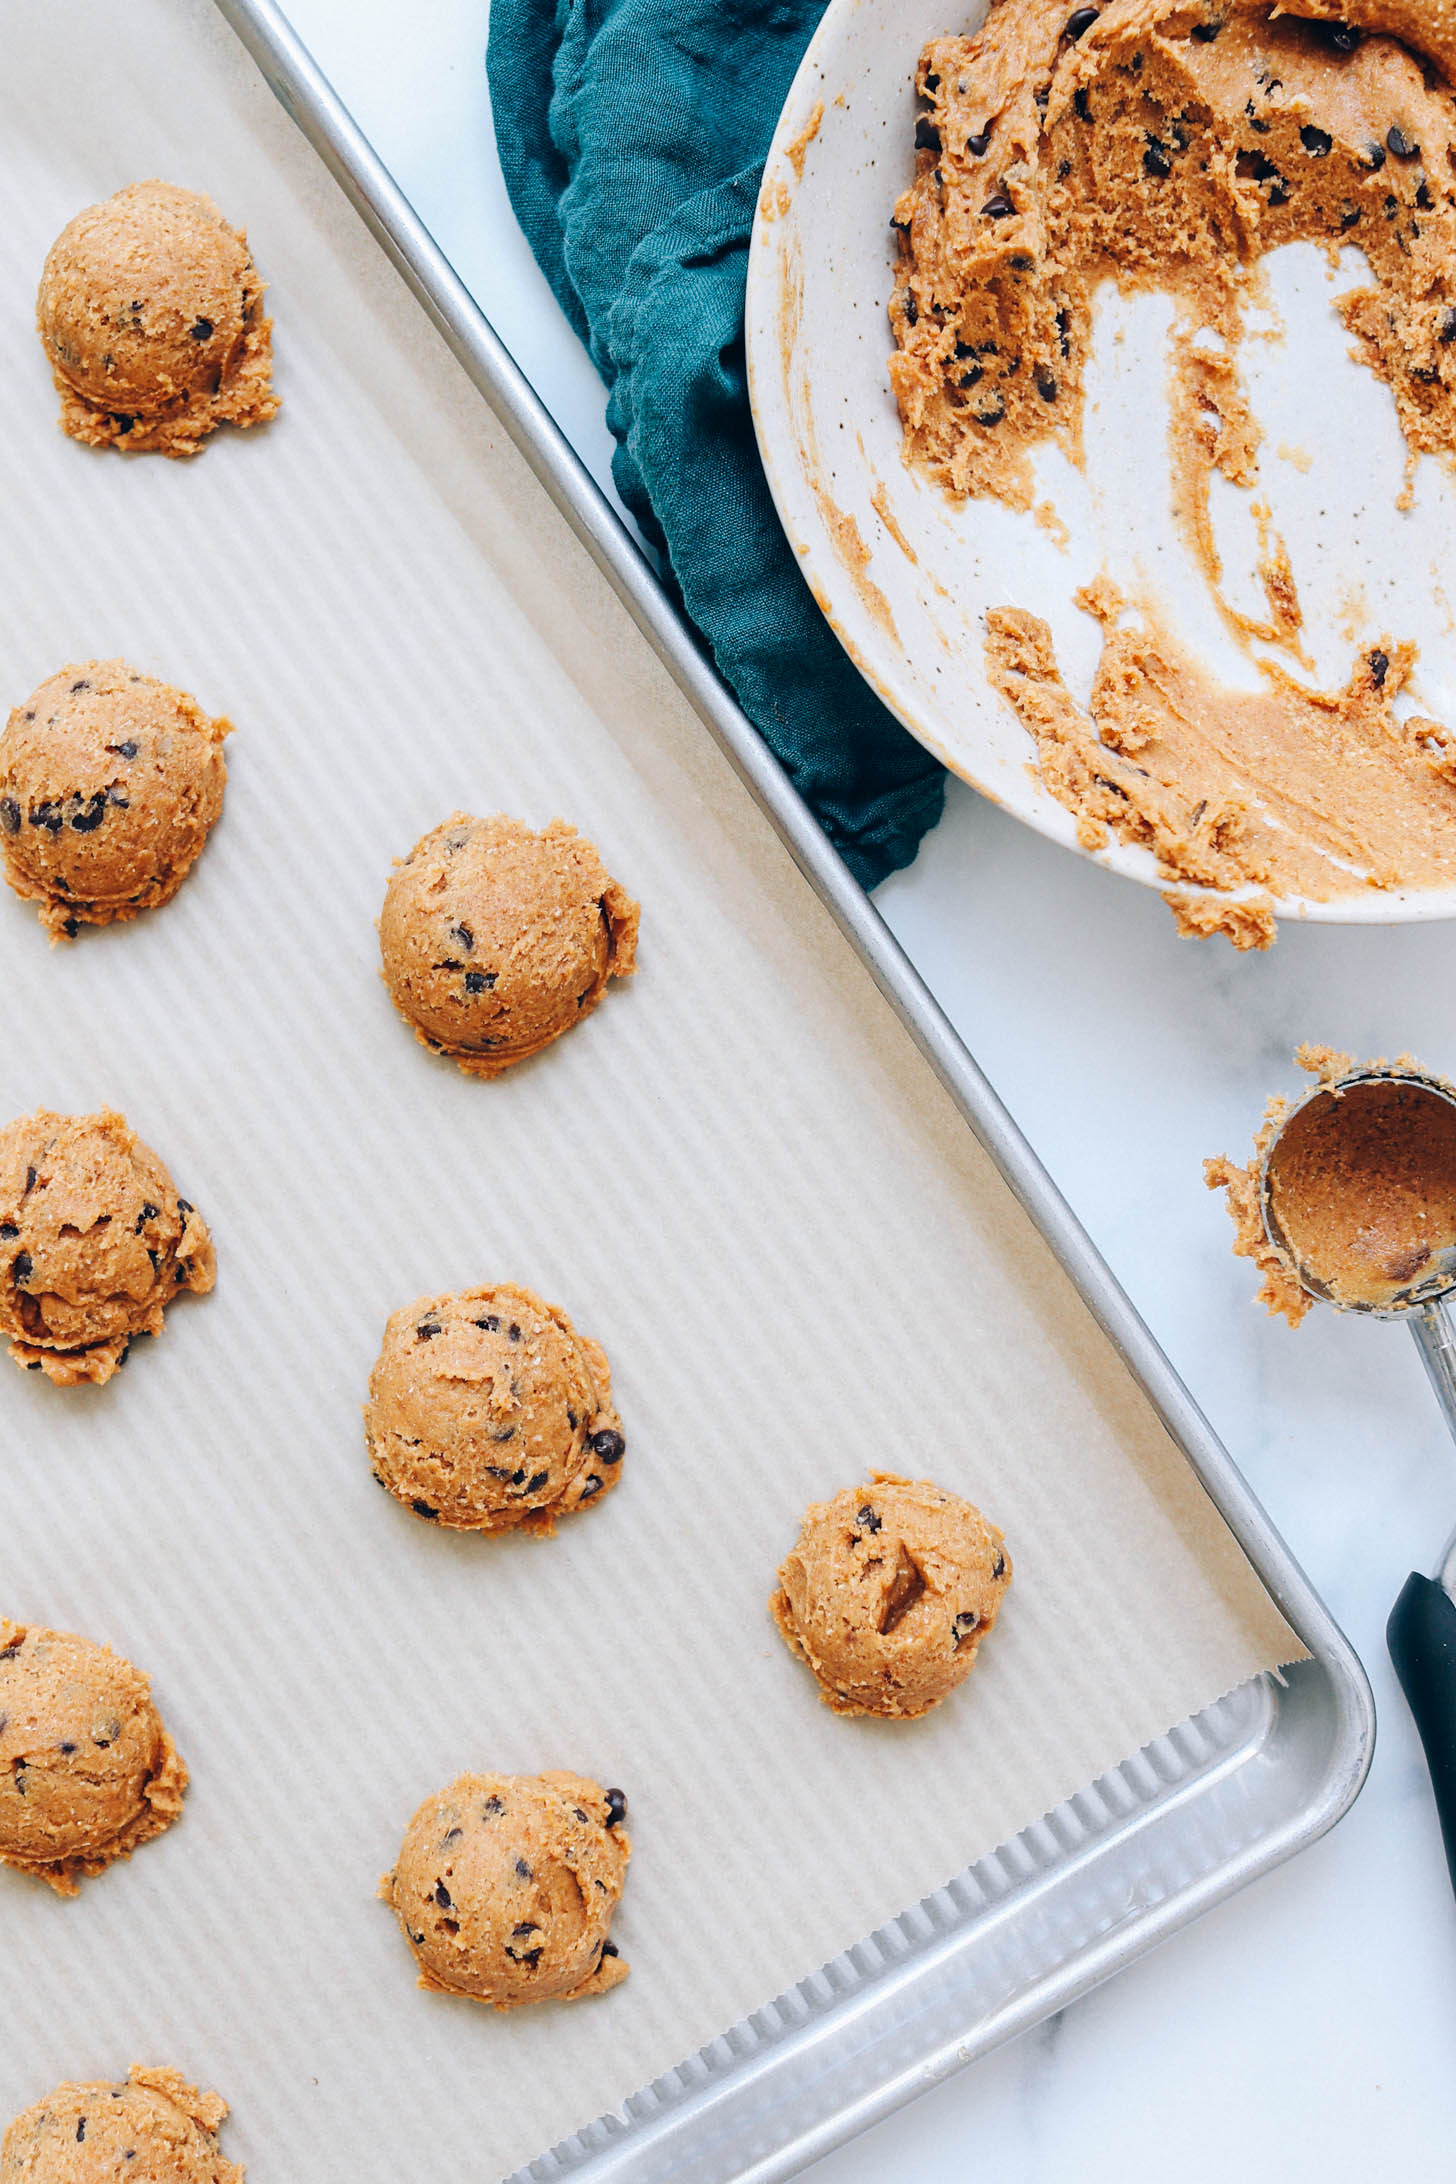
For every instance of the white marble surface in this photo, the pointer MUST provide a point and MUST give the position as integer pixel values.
(1306, 2028)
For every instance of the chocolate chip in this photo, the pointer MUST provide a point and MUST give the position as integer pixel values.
(1379, 668)
(1079, 21)
(526, 1926)
(123, 750)
(11, 1647)
(1400, 145)
(609, 1445)
(8, 1228)
(90, 816)
(869, 1518)
(479, 981)
(537, 1480)
(1349, 218)
(423, 1509)
(1427, 374)
(1448, 326)
(149, 1212)
(1080, 106)
(80, 2129)
(531, 1957)
(426, 1329)
(616, 1807)
(978, 146)
(965, 1623)
(513, 1332)
(71, 927)
(451, 1835)
(201, 329)
(518, 1478)
(593, 1486)
(122, 423)
(23, 1267)
(997, 207)
(1046, 386)
(442, 1896)
(115, 797)
(9, 815)
(999, 1566)
(609, 1948)
(927, 136)
(490, 1323)
(1317, 142)
(491, 1807)
(67, 1749)
(1155, 159)
(969, 379)
(463, 935)
(1374, 156)
(32, 1177)
(1205, 33)
(523, 1871)
(185, 1206)
(579, 1813)
(1423, 197)
(78, 687)
(155, 1257)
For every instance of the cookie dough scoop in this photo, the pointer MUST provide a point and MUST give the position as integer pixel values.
(488, 1412)
(1354, 1187)
(888, 1593)
(496, 940)
(505, 1888)
(151, 2128)
(150, 315)
(95, 1243)
(110, 783)
(87, 1771)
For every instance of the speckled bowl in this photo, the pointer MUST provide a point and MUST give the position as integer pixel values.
(906, 577)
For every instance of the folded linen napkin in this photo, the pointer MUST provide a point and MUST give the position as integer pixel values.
(632, 134)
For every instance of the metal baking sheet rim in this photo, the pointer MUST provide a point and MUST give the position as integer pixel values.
(757, 2096)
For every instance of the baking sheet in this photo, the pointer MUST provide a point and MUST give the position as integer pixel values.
(738, 1175)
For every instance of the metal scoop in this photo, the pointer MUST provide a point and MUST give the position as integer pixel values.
(1371, 1266)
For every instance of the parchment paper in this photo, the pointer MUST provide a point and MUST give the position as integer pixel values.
(738, 1175)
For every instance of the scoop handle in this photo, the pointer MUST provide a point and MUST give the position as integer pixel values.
(1421, 1635)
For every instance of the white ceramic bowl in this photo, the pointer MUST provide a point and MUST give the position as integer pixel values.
(905, 576)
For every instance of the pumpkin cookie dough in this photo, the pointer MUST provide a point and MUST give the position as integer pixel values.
(152, 2128)
(110, 783)
(487, 1411)
(94, 1243)
(1359, 1181)
(888, 1593)
(1282, 789)
(150, 313)
(1165, 144)
(506, 1885)
(496, 940)
(87, 1772)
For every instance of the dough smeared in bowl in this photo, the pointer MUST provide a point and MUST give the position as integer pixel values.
(94, 1243)
(487, 1411)
(506, 1884)
(496, 940)
(110, 783)
(87, 1771)
(151, 2128)
(888, 1593)
(150, 313)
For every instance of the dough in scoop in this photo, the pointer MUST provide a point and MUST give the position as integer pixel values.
(109, 784)
(154, 2128)
(87, 1772)
(94, 1243)
(888, 1593)
(487, 1410)
(506, 1885)
(496, 940)
(150, 312)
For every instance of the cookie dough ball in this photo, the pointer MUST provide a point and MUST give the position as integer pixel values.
(496, 940)
(888, 1593)
(109, 784)
(506, 1885)
(150, 313)
(154, 2128)
(488, 1411)
(94, 1243)
(87, 1772)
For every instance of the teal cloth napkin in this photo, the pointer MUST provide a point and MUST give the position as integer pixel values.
(632, 134)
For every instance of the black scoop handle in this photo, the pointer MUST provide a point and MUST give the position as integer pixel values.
(1421, 1635)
